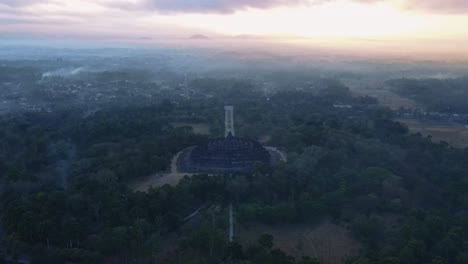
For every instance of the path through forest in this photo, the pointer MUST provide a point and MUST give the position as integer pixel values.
(156, 180)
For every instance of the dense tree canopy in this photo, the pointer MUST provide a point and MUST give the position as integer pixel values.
(64, 175)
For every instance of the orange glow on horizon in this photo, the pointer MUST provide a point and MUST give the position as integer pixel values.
(334, 19)
(380, 26)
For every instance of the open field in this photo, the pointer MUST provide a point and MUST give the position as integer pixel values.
(264, 139)
(452, 133)
(383, 93)
(198, 128)
(330, 243)
(390, 99)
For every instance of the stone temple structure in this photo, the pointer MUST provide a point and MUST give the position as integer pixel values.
(230, 154)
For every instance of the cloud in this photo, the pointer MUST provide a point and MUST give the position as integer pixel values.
(15, 3)
(438, 6)
(432, 6)
(209, 6)
(177, 6)
(230, 6)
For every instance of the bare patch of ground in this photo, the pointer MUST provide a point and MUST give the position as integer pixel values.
(157, 180)
(198, 128)
(264, 139)
(452, 133)
(330, 243)
(160, 179)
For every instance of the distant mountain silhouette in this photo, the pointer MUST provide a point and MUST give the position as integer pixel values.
(198, 36)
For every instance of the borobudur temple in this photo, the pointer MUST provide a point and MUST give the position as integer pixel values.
(230, 154)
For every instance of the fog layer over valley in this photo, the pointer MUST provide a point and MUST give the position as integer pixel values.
(48, 77)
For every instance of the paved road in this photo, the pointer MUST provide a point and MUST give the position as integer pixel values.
(192, 215)
(174, 161)
(231, 224)
(2, 233)
(279, 153)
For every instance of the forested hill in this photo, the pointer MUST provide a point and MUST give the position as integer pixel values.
(65, 197)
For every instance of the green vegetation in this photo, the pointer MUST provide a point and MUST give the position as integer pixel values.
(441, 95)
(64, 195)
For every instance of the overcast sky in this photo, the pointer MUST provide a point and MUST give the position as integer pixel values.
(443, 21)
